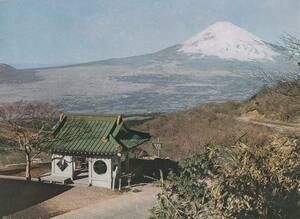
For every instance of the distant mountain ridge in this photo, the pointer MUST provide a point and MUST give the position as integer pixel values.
(222, 46)
(221, 63)
(221, 42)
(6, 69)
(9, 74)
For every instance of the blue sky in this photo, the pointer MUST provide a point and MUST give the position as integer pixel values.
(55, 32)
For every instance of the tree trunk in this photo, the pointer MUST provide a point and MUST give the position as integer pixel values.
(28, 167)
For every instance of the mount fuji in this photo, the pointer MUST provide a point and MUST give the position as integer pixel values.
(223, 46)
(223, 62)
(227, 41)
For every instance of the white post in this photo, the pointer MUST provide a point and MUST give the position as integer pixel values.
(73, 167)
(114, 178)
(52, 164)
(120, 183)
(90, 170)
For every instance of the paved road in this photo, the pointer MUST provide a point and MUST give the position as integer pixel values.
(133, 205)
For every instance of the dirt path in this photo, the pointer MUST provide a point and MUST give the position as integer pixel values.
(290, 128)
(132, 205)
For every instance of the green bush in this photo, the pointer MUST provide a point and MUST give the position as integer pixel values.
(235, 182)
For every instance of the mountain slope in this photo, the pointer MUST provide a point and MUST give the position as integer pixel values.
(9, 74)
(221, 47)
(227, 41)
(6, 69)
(167, 80)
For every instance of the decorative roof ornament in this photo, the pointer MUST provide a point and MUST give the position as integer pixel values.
(119, 120)
(61, 116)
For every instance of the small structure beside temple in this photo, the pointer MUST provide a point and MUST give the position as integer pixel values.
(92, 149)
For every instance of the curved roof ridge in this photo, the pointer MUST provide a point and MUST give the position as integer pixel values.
(93, 135)
(92, 116)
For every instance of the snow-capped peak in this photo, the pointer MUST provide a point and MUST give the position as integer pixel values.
(227, 41)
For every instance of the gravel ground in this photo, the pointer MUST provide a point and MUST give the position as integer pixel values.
(131, 205)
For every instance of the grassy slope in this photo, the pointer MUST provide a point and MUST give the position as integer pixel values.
(185, 132)
(281, 102)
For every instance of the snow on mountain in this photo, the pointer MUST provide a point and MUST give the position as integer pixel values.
(214, 66)
(227, 41)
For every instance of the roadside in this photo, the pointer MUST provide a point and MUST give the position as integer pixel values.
(284, 127)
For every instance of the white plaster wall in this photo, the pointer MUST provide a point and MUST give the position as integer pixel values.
(102, 180)
(55, 170)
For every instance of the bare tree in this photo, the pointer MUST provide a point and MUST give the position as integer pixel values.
(281, 93)
(28, 126)
(292, 44)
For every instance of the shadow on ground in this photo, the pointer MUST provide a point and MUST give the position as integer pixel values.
(146, 171)
(16, 195)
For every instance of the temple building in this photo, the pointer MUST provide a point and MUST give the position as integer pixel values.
(92, 149)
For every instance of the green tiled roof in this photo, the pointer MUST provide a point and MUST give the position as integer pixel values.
(93, 135)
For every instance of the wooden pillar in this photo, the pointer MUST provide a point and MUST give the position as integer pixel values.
(128, 171)
(127, 163)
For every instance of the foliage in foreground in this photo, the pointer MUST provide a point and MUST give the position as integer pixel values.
(235, 182)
